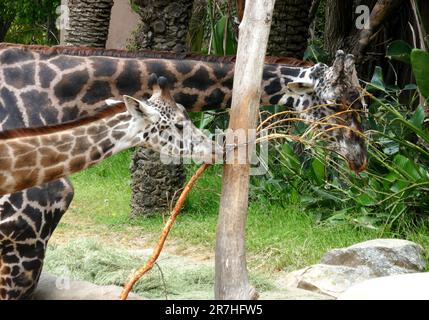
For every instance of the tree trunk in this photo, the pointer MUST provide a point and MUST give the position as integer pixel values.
(164, 24)
(290, 28)
(89, 22)
(232, 281)
(154, 184)
(7, 16)
(369, 46)
(424, 12)
(338, 24)
(4, 28)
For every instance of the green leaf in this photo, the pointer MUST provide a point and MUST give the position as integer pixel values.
(410, 86)
(399, 185)
(407, 166)
(290, 158)
(399, 50)
(223, 29)
(420, 63)
(318, 168)
(327, 195)
(391, 177)
(375, 185)
(377, 81)
(419, 117)
(390, 147)
(366, 200)
(366, 222)
(315, 54)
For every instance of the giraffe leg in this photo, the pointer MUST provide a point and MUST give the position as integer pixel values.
(27, 221)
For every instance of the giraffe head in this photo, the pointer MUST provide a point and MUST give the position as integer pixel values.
(331, 97)
(166, 126)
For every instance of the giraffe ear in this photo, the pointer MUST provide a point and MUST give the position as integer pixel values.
(141, 109)
(301, 87)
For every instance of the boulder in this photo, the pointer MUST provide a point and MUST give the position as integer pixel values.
(383, 256)
(399, 287)
(53, 288)
(340, 269)
(326, 279)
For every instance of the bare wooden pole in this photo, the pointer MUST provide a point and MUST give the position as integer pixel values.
(232, 281)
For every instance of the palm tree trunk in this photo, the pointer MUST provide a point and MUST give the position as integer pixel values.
(4, 28)
(89, 22)
(289, 29)
(154, 184)
(7, 15)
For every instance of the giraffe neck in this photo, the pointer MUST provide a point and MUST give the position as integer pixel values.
(42, 86)
(31, 157)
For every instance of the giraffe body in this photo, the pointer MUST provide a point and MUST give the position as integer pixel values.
(41, 86)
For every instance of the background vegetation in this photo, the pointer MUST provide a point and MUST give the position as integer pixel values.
(29, 21)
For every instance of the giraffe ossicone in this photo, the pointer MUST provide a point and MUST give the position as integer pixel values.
(34, 156)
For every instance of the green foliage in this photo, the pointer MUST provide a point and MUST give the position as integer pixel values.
(420, 63)
(393, 192)
(316, 53)
(399, 50)
(223, 37)
(31, 21)
(211, 29)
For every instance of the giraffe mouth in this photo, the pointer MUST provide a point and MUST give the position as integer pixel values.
(358, 166)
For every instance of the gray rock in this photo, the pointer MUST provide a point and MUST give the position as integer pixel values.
(399, 287)
(159, 26)
(293, 294)
(383, 256)
(326, 279)
(53, 288)
(343, 268)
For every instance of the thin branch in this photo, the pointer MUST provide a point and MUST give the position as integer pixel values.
(165, 231)
(379, 14)
(164, 284)
(313, 10)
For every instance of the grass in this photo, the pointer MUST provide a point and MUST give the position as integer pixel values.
(279, 235)
(102, 264)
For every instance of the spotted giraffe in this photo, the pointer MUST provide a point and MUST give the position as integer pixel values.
(42, 86)
(33, 156)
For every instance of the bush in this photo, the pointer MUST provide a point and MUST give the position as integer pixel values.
(391, 195)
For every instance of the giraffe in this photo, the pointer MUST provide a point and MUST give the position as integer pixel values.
(32, 156)
(41, 86)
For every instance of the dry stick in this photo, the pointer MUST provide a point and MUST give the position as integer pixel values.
(165, 231)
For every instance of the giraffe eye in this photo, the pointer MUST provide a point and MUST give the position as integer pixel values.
(179, 126)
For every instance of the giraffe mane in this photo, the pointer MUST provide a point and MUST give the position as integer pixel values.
(36, 131)
(150, 54)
